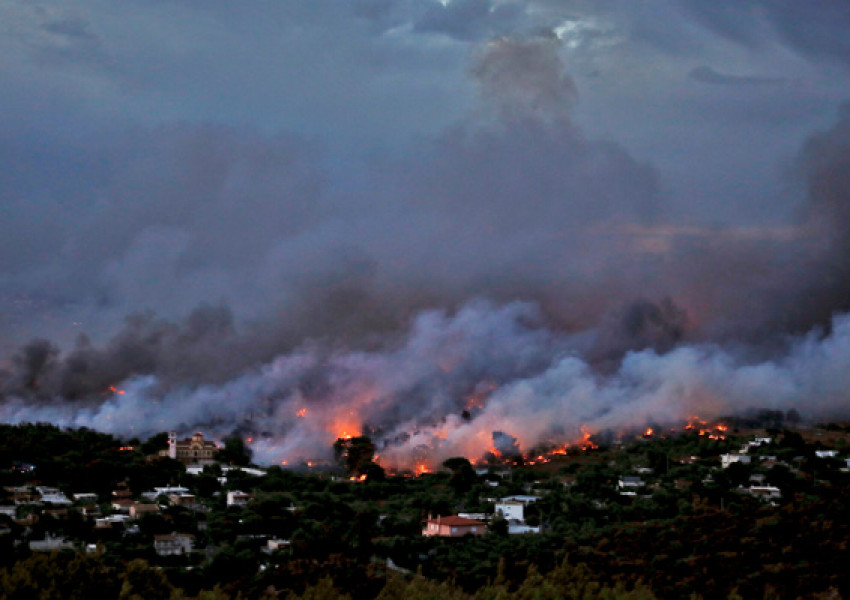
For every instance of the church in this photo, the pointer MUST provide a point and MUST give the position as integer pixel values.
(190, 450)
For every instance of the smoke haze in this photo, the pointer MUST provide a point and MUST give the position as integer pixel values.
(503, 271)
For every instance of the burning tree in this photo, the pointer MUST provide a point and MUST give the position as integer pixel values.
(356, 454)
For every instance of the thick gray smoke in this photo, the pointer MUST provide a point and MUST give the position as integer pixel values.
(512, 276)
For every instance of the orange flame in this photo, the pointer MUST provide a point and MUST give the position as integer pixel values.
(301, 413)
(115, 390)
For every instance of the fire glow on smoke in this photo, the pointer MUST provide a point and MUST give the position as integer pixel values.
(486, 381)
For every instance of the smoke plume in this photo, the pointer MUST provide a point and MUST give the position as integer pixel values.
(509, 284)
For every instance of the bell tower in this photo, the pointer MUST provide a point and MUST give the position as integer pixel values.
(172, 444)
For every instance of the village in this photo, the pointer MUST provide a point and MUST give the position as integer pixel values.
(189, 510)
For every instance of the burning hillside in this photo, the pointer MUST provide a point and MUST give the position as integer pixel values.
(486, 381)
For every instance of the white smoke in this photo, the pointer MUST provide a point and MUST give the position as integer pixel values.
(524, 379)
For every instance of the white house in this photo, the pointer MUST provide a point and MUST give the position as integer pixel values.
(765, 492)
(50, 544)
(728, 459)
(50, 495)
(520, 528)
(88, 497)
(173, 544)
(164, 491)
(521, 498)
(237, 498)
(512, 510)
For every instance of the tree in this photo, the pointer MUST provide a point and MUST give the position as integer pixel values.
(141, 582)
(155, 443)
(235, 452)
(463, 475)
(355, 454)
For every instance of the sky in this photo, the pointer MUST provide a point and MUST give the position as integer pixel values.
(398, 208)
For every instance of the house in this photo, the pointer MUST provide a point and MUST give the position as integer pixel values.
(525, 499)
(277, 544)
(476, 516)
(50, 495)
(174, 544)
(237, 498)
(511, 510)
(110, 521)
(768, 493)
(521, 528)
(252, 471)
(50, 544)
(629, 485)
(630, 482)
(164, 491)
(190, 450)
(138, 510)
(85, 497)
(182, 499)
(90, 511)
(122, 505)
(453, 526)
(728, 459)
(25, 497)
(826, 453)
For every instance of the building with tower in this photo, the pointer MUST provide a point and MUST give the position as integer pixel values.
(190, 450)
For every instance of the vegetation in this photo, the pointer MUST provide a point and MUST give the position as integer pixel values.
(692, 528)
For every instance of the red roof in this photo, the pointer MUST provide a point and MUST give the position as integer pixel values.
(454, 521)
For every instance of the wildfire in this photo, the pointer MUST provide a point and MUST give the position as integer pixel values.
(586, 443)
(115, 390)
(301, 413)
(716, 431)
(345, 426)
(421, 468)
(648, 432)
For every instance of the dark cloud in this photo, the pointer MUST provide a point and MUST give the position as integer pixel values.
(471, 19)
(705, 74)
(814, 28)
(71, 27)
(522, 260)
